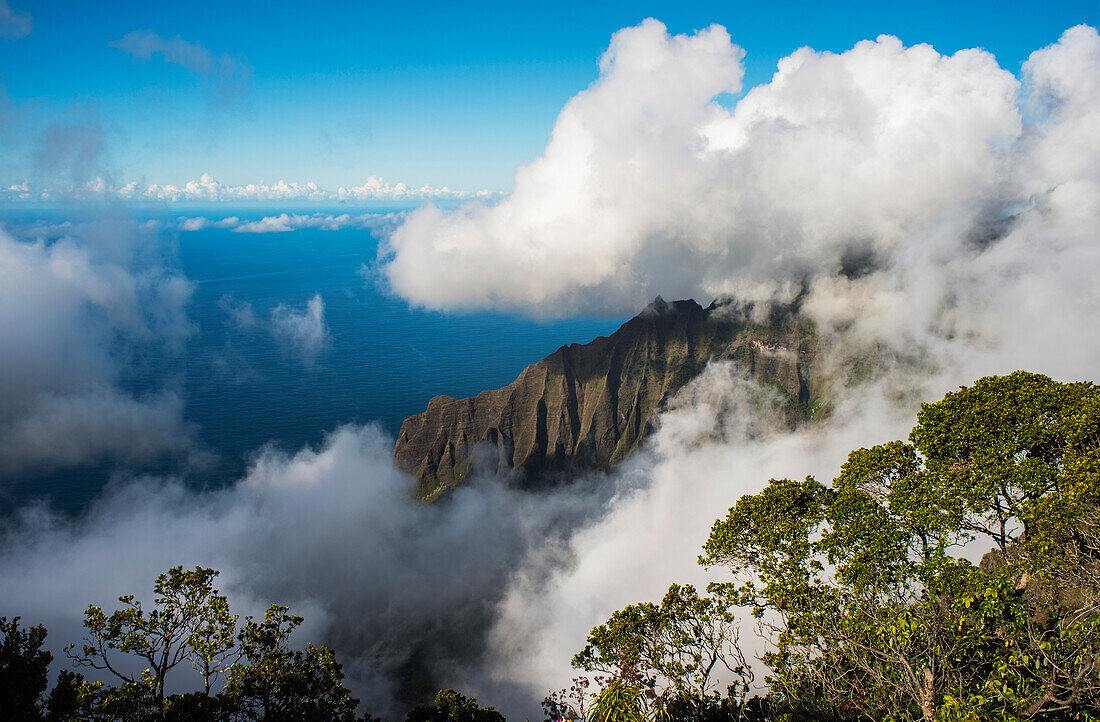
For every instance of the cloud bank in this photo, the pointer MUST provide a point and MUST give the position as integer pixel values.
(73, 308)
(841, 163)
(982, 283)
(208, 190)
(286, 222)
(396, 585)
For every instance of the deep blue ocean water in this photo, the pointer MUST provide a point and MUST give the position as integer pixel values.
(383, 362)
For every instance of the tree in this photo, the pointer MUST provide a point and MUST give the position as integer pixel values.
(450, 706)
(24, 669)
(189, 621)
(278, 683)
(671, 649)
(649, 659)
(68, 697)
(212, 641)
(870, 609)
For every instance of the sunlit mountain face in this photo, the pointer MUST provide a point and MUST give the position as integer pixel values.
(237, 252)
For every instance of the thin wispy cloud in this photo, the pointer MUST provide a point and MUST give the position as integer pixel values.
(14, 24)
(73, 149)
(230, 74)
(302, 332)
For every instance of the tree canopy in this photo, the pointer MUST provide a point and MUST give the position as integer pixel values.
(863, 591)
(189, 620)
(861, 583)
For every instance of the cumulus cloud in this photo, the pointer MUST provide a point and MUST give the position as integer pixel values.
(374, 188)
(648, 185)
(956, 297)
(14, 24)
(72, 308)
(199, 223)
(285, 222)
(231, 74)
(901, 196)
(302, 332)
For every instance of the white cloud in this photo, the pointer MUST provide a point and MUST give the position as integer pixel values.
(1063, 89)
(374, 188)
(99, 423)
(302, 332)
(393, 583)
(200, 223)
(72, 306)
(979, 230)
(285, 222)
(649, 186)
(208, 190)
(240, 313)
(14, 24)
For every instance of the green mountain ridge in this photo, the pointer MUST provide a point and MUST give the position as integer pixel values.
(591, 405)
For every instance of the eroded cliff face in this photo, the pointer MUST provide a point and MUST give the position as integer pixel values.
(590, 405)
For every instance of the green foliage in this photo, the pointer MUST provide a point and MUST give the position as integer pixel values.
(68, 697)
(189, 620)
(278, 683)
(667, 650)
(24, 669)
(619, 702)
(450, 706)
(876, 615)
(656, 661)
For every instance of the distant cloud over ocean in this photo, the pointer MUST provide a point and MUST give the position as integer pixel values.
(207, 189)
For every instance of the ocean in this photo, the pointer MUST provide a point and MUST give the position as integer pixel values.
(242, 389)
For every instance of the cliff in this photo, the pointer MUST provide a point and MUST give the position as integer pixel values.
(590, 405)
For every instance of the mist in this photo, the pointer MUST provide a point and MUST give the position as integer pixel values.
(936, 210)
(77, 303)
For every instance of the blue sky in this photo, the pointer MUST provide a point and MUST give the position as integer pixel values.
(439, 93)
